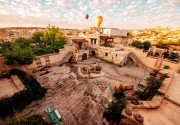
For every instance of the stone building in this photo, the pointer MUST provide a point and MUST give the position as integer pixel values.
(81, 48)
(103, 45)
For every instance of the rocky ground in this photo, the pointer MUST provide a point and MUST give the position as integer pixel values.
(77, 98)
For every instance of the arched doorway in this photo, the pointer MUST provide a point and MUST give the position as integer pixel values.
(130, 61)
(93, 53)
(70, 60)
(84, 56)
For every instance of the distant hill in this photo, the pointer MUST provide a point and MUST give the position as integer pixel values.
(158, 35)
(91, 30)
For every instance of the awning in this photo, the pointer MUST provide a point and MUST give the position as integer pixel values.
(79, 40)
(106, 37)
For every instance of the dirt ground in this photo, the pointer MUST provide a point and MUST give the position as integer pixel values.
(76, 98)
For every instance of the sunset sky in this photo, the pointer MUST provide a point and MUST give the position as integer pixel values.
(122, 14)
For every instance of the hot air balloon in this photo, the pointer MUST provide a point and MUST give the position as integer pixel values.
(142, 8)
(86, 16)
(99, 20)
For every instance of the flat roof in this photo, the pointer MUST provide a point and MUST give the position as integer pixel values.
(79, 40)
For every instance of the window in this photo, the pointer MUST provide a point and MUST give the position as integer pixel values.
(91, 41)
(94, 41)
(106, 54)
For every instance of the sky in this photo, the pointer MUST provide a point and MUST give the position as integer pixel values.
(122, 14)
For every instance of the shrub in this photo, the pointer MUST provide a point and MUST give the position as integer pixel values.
(114, 110)
(152, 89)
(18, 101)
(163, 46)
(137, 44)
(133, 100)
(98, 68)
(92, 69)
(166, 67)
(22, 119)
(84, 69)
(19, 52)
(141, 45)
(164, 76)
(146, 45)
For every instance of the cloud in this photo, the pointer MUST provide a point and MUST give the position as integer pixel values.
(122, 14)
(172, 2)
(151, 1)
(65, 2)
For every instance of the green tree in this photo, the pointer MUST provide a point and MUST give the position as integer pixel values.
(37, 36)
(18, 53)
(146, 45)
(53, 38)
(23, 42)
(137, 44)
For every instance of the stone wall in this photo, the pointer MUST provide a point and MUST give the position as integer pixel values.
(150, 61)
(112, 55)
(39, 62)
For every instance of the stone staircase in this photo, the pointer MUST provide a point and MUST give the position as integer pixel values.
(158, 63)
(66, 57)
(137, 60)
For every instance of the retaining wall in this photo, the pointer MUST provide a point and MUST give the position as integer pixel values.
(150, 61)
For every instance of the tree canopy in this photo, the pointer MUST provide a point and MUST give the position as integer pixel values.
(53, 38)
(142, 45)
(18, 53)
(23, 51)
(146, 45)
(37, 36)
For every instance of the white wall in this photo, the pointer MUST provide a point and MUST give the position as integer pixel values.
(115, 32)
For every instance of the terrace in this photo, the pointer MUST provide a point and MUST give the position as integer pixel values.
(78, 98)
(10, 86)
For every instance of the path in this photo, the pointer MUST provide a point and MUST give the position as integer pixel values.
(173, 92)
(167, 114)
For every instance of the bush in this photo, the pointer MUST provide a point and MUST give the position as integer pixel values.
(152, 89)
(92, 69)
(141, 45)
(137, 44)
(17, 102)
(37, 37)
(22, 119)
(18, 53)
(133, 100)
(164, 76)
(163, 46)
(166, 67)
(146, 45)
(84, 69)
(113, 113)
(98, 68)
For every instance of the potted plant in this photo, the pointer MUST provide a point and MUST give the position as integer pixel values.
(84, 70)
(98, 68)
(166, 67)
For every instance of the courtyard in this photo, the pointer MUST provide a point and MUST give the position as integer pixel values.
(77, 98)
